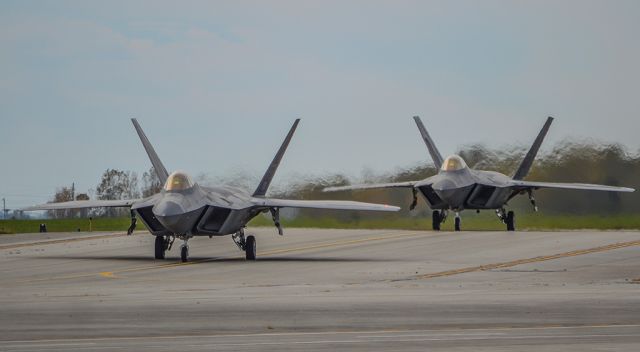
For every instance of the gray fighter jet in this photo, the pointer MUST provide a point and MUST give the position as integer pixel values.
(457, 187)
(184, 209)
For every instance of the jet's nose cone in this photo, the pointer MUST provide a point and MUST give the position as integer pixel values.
(444, 185)
(451, 193)
(171, 215)
(167, 208)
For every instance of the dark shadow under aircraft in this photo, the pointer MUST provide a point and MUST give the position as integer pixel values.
(457, 187)
(184, 209)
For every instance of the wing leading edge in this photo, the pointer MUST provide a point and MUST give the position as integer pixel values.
(81, 204)
(558, 185)
(408, 184)
(321, 204)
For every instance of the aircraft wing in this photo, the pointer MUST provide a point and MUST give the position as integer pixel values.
(321, 204)
(409, 184)
(523, 185)
(80, 204)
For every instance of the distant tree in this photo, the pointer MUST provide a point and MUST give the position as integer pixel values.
(63, 194)
(82, 196)
(150, 183)
(116, 184)
(82, 212)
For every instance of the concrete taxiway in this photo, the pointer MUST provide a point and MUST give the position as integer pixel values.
(324, 290)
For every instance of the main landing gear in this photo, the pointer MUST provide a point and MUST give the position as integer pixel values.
(246, 244)
(438, 217)
(163, 244)
(184, 250)
(508, 218)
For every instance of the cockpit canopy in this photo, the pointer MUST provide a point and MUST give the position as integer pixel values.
(453, 163)
(178, 181)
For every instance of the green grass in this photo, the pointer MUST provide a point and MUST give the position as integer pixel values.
(470, 221)
(66, 225)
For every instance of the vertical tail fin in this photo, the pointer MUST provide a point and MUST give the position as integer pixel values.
(435, 154)
(161, 171)
(271, 171)
(525, 166)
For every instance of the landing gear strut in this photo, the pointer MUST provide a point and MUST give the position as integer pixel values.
(532, 199)
(414, 202)
(246, 244)
(163, 244)
(438, 217)
(275, 215)
(133, 223)
(457, 222)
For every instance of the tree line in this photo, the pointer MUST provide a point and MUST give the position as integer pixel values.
(568, 161)
(114, 184)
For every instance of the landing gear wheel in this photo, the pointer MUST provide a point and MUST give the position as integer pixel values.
(250, 248)
(437, 220)
(184, 254)
(160, 247)
(457, 223)
(511, 221)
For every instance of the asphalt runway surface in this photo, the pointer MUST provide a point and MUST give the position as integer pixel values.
(323, 290)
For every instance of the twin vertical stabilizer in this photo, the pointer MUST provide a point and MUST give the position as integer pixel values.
(435, 154)
(261, 191)
(161, 171)
(527, 162)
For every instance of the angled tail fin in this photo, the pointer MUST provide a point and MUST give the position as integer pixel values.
(525, 166)
(161, 171)
(433, 150)
(271, 171)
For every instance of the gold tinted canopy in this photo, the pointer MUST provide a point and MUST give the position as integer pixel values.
(178, 181)
(453, 163)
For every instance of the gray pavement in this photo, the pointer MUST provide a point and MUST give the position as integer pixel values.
(324, 290)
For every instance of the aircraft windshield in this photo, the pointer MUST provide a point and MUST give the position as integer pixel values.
(178, 181)
(453, 163)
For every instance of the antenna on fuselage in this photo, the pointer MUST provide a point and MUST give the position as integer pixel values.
(261, 191)
(527, 162)
(161, 171)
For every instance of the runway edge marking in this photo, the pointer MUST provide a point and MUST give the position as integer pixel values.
(513, 263)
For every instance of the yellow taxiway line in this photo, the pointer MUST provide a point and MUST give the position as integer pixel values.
(113, 274)
(529, 260)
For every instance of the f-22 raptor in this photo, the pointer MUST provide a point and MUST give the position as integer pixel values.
(183, 209)
(457, 187)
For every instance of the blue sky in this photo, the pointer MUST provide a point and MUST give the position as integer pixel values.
(216, 85)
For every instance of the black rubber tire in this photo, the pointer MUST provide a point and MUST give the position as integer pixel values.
(250, 248)
(511, 221)
(160, 247)
(435, 216)
(457, 224)
(184, 254)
